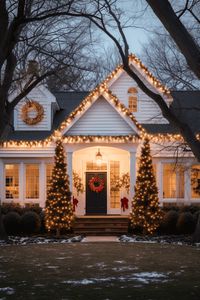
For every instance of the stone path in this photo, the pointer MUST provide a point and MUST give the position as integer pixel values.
(94, 239)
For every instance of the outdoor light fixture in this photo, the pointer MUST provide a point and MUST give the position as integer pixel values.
(99, 157)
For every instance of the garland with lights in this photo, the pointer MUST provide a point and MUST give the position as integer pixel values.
(77, 183)
(96, 184)
(146, 212)
(59, 209)
(122, 182)
(27, 108)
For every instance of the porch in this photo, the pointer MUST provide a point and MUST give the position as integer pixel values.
(108, 165)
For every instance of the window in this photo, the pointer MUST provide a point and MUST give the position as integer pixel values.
(49, 169)
(32, 181)
(93, 166)
(132, 99)
(195, 181)
(12, 181)
(173, 181)
(114, 192)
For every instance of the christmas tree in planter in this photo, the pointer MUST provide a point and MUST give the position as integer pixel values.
(59, 211)
(146, 213)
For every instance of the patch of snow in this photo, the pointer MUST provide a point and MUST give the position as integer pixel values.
(119, 261)
(125, 268)
(16, 240)
(164, 240)
(143, 277)
(7, 290)
(79, 282)
(52, 267)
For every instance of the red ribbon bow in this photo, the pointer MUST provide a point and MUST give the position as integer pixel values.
(124, 203)
(75, 203)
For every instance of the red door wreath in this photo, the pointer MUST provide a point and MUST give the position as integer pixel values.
(96, 184)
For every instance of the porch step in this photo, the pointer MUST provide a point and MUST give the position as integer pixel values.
(101, 225)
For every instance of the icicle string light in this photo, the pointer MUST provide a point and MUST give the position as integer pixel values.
(154, 138)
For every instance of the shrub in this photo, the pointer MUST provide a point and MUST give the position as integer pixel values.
(191, 208)
(11, 207)
(196, 216)
(185, 223)
(12, 222)
(168, 224)
(32, 207)
(30, 222)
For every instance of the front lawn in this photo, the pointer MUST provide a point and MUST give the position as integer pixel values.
(100, 271)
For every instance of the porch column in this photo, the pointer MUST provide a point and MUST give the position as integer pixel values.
(2, 188)
(159, 177)
(42, 185)
(22, 183)
(187, 186)
(132, 173)
(69, 169)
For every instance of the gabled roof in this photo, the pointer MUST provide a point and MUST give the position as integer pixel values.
(186, 105)
(89, 100)
(143, 70)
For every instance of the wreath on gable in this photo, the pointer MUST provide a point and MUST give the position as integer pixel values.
(96, 184)
(29, 107)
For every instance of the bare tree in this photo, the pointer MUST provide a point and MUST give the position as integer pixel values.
(164, 59)
(43, 31)
(170, 17)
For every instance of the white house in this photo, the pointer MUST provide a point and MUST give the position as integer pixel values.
(102, 132)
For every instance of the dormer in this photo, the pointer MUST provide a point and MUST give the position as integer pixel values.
(36, 111)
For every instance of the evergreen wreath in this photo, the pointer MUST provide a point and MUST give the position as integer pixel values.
(29, 106)
(96, 184)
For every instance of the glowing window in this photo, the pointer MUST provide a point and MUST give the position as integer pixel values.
(12, 181)
(114, 192)
(32, 181)
(49, 169)
(132, 99)
(173, 181)
(195, 181)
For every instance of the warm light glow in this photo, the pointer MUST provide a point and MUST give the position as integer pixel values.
(99, 157)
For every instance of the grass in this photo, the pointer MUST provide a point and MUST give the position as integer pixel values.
(100, 271)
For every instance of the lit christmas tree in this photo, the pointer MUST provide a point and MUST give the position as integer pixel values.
(59, 211)
(145, 209)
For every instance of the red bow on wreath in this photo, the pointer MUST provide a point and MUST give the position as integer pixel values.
(124, 203)
(75, 203)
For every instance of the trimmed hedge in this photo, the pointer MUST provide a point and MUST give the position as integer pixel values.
(30, 222)
(169, 221)
(12, 223)
(185, 223)
(14, 207)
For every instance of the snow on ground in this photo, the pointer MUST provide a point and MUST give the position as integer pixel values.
(167, 239)
(142, 277)
(7, 290)
(17, 240)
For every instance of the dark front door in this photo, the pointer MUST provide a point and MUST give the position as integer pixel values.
(96, 203)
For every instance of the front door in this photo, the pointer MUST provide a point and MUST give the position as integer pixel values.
(96, 202)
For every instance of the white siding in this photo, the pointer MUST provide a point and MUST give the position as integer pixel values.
(101, 119)
(45, 98)
(148, 111)
(45, 123)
